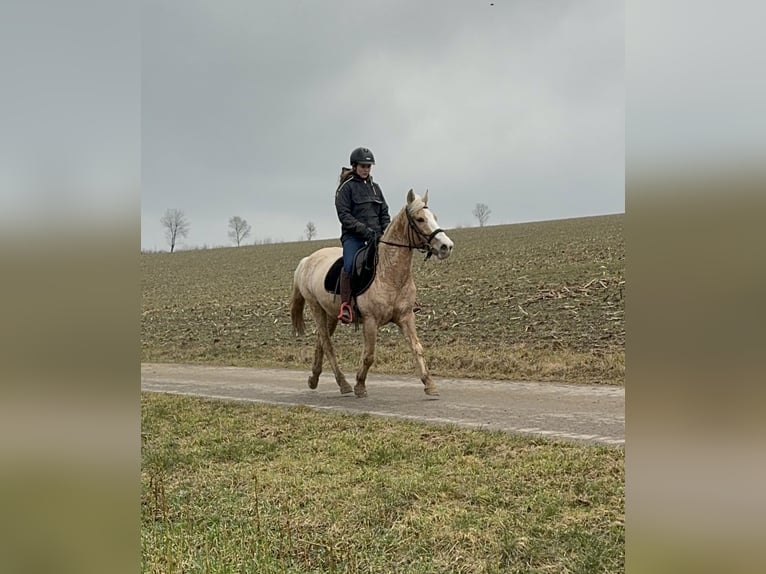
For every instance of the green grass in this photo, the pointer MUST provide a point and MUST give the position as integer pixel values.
(230, 487)
(534, 301)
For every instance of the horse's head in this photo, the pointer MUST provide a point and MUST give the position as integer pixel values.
(423, 222)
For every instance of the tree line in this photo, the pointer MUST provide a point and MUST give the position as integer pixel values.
(176, 225)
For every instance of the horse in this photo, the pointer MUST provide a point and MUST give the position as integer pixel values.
(389, 299)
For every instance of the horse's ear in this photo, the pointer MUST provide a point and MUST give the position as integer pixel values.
(410, 196)
(425, 198)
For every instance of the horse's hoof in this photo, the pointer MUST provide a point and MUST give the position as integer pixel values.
(313, 382)
(345, 388)
(431, 391)
(360, 392)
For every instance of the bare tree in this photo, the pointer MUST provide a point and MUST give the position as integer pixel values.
(311, 230)
(176, 225)
(238, 229)
(481, 212)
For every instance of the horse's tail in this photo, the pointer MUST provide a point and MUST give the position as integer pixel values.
(297, 303)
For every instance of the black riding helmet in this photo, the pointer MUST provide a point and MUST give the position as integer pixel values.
(362, 155)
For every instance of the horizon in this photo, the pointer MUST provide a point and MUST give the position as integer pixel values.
(255, 242)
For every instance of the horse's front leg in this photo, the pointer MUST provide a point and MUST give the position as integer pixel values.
(407, 326)
(370, 330)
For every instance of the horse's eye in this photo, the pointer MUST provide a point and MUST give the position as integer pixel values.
(420, 220)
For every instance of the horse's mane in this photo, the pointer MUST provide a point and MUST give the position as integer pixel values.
(416, 205)
(412, 208)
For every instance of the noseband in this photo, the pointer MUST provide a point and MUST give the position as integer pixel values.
(425, 246)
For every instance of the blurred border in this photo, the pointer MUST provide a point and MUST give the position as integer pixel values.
(70, 161)
(69, 246)
(695, 179)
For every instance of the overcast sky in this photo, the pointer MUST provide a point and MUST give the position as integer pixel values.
(251, 108)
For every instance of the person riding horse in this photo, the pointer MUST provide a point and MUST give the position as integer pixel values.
(363, 214)
(390, 298)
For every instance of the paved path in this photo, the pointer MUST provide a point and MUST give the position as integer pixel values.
(574, 412)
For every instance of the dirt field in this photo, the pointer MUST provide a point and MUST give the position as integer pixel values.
(537, 301)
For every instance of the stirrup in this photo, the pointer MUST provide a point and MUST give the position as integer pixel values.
(346, 318)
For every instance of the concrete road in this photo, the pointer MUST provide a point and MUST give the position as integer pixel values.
(562, 411)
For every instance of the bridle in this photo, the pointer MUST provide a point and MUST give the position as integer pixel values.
(425, 246)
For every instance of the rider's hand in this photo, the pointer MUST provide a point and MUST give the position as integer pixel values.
(371, 234)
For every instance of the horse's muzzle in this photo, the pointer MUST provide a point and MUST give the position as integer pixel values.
(443, 248)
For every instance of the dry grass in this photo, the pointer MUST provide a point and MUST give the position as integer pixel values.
(536, 301)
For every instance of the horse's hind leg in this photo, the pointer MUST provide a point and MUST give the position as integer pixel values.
(325, 327)
(332, 323)
(407, 325)
(368, 357)
(316, 368)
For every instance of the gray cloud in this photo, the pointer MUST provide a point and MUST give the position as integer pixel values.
(250, 109)
(70, 112)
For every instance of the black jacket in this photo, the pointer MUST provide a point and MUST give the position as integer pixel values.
(361, 206)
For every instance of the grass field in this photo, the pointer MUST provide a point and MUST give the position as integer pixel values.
(534, 301)
(244, 488)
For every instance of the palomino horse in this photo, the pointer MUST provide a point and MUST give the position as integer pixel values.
(389, 299)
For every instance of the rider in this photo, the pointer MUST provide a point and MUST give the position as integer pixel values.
(363, 214)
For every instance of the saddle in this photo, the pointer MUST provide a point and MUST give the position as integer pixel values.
(362, 274)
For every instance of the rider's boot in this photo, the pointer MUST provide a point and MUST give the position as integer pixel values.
(346, 314)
